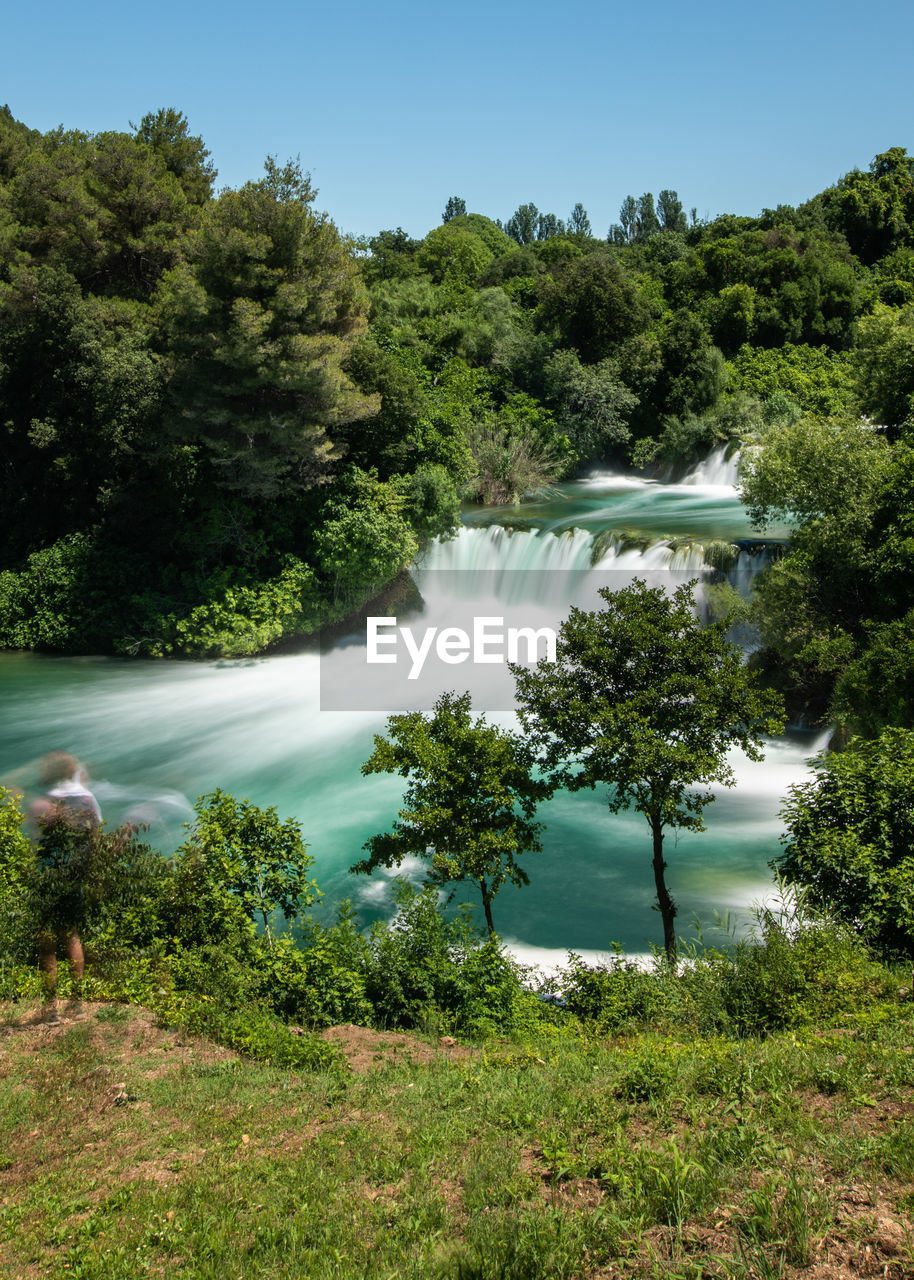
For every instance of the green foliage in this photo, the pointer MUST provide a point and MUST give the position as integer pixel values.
(319, 979)
(815, 379)
(364, 539)
(849, 838)
(431, 502)
(797, 969)
(876, 688)
(241, 616)
(591, 402)
(201, 910)
(259, 859)
(166, 131)
(593, 306)
(515, 452)
(126, 886)
(489, 232)
(647, 701)
(260, 320)
(611, 996)
(252, 1032)
(842, 486)
(425, 970)
(827, 469)
(769, 286)
(874, 210)
(885, 364)
(453, 256)
(16, 859)
(469, 802)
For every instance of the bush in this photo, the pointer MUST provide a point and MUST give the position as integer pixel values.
(251, 1031)
(320, 981)
(799, 969)
(613, 995)
(427, 971)
(16, 861)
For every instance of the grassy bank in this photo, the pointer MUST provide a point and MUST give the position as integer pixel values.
(132, 1149)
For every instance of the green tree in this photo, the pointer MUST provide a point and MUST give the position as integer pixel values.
(846, 493)
(260, 321)
(647, 223)
(548, 225)
(814, 378)
(884, 363)
(628, 220)
(259, 859)
(523, 225)
(167, 132)
(591, 402)
(454, 208)
(393, 256)
(646, 701)
(850, 838)
(874, 210)
(670, 211)
(578, 221)
(470, 800)
(593, 305)
(453, 256)
(364, 538)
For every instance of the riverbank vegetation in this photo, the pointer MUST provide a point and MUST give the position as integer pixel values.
(226, 423)
(403, 1102)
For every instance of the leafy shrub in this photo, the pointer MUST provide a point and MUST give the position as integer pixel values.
(647, 1076)
(425, 970)
(15, 867)
(798, 970)
(319, 981)
(252, 1031)
(488, 993)
(612, 995)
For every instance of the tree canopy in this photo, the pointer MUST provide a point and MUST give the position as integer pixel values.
(850, 838)
(469, 803)
(647, 701)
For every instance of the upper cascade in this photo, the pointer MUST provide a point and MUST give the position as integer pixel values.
(716, 471)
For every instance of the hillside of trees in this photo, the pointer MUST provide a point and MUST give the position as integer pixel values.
(225, 423)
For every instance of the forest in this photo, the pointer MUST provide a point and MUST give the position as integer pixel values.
(226, 423)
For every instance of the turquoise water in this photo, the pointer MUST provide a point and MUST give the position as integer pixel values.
(154, 735)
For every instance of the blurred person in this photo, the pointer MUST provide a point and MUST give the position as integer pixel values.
(66, 818)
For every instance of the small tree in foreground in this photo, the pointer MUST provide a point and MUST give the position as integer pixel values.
(470, 801)
(645, 699)
(850, 838)
(254, 855)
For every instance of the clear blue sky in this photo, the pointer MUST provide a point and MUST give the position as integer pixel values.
(395, 106)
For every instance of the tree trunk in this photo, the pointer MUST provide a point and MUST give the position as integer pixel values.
(664, 901)
(487, 905)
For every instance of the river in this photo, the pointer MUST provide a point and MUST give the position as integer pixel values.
(154, 734)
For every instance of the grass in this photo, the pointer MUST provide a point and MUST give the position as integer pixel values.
(130, 1150)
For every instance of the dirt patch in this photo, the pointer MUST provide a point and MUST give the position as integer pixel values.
(367, 1050)
(136, 1035)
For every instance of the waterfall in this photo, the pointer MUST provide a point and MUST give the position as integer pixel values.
(501, 550)
(716, 471)
(498, 555)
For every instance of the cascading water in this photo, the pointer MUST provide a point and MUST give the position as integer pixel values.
(155, 733)
(720, 470)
